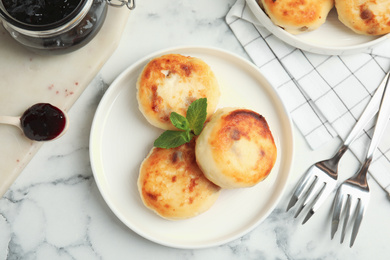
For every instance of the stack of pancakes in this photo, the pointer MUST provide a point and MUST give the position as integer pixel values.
(235, 149)
(368, 17)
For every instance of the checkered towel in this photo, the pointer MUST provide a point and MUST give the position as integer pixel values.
(325, 95)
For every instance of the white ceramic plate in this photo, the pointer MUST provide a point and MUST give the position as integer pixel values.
(332, 38)
(121, 138)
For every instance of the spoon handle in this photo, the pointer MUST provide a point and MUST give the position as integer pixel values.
(10, 120)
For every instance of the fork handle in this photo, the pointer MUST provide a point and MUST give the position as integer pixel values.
(369, 112)
(360, 178)
(382, 121)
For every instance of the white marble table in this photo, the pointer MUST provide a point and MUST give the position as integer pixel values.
(55, 211)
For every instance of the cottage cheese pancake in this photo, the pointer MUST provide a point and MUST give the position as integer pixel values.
(370, 17)
(297, 16)
(171, 183)
(171, 83)
(236, 148)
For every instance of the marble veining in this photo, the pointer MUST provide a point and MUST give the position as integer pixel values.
(54, 210)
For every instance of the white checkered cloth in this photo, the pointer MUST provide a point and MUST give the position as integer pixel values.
(324, 94)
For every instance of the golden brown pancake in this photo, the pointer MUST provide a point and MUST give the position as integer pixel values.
(171, 83)
(297, 16)
(236, 148)
(172, 185)
(370, 17)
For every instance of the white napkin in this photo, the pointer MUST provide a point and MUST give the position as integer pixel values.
(325, 95)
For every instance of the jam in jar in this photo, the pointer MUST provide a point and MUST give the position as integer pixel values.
(55, 26)
(36, 12)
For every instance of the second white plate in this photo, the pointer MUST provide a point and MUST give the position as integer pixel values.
(332, 38)
(121, 138)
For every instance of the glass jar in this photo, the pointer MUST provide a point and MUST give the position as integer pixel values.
(61, 33)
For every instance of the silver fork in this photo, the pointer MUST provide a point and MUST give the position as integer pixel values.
(321, 178)
(355, 189)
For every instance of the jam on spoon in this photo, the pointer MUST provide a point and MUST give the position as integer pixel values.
(43, 122)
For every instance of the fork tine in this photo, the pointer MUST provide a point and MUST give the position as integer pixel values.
(292, 202)
(308, 215)
(312, 195)
(347, 215)
(321, 197)
(308, 192)
(358, 220)
(338, 201)
(299, 189)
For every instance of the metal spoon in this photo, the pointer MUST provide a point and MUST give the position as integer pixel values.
(40, 122)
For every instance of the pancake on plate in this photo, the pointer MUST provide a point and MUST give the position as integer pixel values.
(236, 148)
(171, 83)
(370, 17)
(297, 16)
(172, 185)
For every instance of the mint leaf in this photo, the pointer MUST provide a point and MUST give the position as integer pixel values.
(179, 121)
(190, 125)
(172, 139)
(196, 115)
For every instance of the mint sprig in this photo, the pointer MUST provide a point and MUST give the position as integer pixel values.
(188, 126)
(196, 115)
(179, 121)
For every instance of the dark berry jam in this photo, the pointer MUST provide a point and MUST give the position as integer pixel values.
(40, 12)
(43, 122)
(53, 26)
